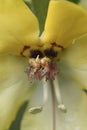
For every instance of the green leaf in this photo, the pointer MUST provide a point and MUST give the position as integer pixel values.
(40, 9)
(75, 1)
(16, 124)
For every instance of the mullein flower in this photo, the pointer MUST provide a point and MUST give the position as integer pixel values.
(33, 67)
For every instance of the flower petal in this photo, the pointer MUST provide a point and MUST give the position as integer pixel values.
(65, 21)
(14, 88)
(74, 119)
(75, 58)
(18, 27)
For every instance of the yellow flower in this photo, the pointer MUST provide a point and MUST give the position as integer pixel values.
(63, 42)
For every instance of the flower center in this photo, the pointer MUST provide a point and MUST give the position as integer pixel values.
(46, 70)
(39, 68)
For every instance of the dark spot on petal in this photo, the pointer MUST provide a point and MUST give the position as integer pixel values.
(54, 44)
(50, 52)
(40, 45)
(24, 49)
(35, 53)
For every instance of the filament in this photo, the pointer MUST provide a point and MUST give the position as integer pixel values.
(61, 106)
(39, 108)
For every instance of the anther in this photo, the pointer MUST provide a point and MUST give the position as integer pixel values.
(61, 106)
(35, 110)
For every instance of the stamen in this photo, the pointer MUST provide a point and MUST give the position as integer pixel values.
(61, 106)
(39, 68)
(45, 90)
(37, 109)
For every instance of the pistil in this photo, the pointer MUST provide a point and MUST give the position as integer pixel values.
(53, 104)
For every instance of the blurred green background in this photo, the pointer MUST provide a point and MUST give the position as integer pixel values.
(39, 7)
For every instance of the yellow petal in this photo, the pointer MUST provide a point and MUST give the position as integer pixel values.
(75, 58)
(74, 119)
(18, 27)
(65, 21)
(14, 88)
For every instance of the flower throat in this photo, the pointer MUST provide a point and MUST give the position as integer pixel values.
(46, 70)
